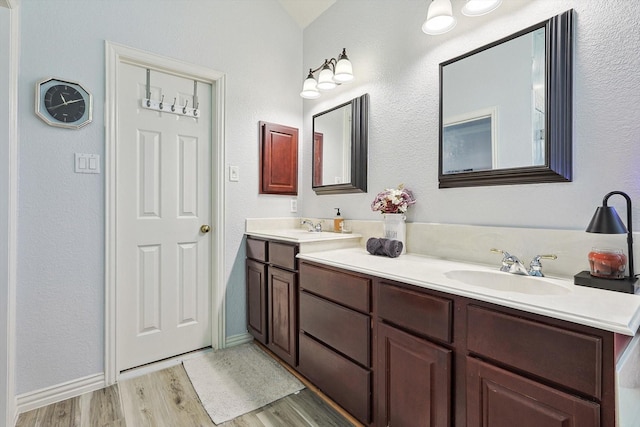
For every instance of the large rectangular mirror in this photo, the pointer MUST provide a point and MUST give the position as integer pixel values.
(340, 148)
(505, 109)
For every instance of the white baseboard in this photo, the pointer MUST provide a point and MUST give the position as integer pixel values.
(57, 393)
(238, 339)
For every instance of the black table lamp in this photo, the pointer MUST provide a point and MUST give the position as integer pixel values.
(607, 221)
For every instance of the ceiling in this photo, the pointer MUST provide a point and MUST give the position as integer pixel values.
(305, 12)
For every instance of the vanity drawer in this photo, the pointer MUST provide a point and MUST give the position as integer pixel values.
(418, 312)
(345, 382)
(283, 255)
(568, 358)
(343, 329)
(344, 288)
(257, 249)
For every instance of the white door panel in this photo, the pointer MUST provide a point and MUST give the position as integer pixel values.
(163, 198)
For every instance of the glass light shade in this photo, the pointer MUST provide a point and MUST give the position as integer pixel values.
(440, 18)
(344, 71)
(309, 88)
(325, 79)
(480, 7)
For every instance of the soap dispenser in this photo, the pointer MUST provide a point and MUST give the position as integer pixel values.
(338, 222)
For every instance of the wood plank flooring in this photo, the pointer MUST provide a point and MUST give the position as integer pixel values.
(166, 398)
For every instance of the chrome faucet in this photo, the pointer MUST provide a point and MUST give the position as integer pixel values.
(511, 264)
(535, 266)
(315, 228)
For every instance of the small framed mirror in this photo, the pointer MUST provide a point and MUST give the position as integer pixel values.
(340, 145)
(506, 110)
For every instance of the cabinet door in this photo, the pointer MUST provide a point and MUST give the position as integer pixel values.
(278, 159)
(414, 381)
(499, 398)
(282, 297)
(257, 300)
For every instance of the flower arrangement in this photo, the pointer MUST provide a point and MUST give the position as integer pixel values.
(393, 200)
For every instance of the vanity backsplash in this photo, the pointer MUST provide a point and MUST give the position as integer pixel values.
(472, 243)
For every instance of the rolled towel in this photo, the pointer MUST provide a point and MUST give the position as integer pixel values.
(373, 245)
(385, 247)
(391, 248)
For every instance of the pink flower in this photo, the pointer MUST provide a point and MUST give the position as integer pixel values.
(393, 200)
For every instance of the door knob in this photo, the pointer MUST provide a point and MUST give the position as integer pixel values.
(205, 228)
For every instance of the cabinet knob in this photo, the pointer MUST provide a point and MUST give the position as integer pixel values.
(205, 229)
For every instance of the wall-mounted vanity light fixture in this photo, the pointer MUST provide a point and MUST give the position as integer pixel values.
(440, 17)
(332, 73)
(480, 7)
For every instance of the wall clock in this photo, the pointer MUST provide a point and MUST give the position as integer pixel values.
(63, 103)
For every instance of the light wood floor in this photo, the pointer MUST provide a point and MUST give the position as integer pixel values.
(166, 398)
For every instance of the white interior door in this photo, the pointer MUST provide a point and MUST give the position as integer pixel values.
(163, 181)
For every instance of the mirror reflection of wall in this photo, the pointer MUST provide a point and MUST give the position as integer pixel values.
(506, 109)
(332, 131)
(508, 79)
(340, 146)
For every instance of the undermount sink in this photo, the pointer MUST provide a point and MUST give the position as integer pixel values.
(507, 282)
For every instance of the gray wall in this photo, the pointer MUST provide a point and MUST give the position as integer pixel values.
(60, 290)
(397, 65)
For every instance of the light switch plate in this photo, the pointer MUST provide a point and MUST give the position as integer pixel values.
(87, 163)
(294, 205)
(234, 173)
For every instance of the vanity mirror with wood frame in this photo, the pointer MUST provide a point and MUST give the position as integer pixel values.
(340, 145)
(506, 109)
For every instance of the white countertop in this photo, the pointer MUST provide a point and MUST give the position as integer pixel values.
(299, 235)
(558, 298)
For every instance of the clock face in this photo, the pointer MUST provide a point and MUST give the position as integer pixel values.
(63, 103)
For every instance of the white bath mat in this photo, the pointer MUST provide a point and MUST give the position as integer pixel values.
(237, 380)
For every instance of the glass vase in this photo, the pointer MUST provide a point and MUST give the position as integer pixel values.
(395, 228)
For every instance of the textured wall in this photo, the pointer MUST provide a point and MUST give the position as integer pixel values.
(60, 313)
(397, 65)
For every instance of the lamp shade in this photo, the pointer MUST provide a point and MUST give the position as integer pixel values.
(606, 221)
(480, 7)
(344, 70)
(325, 79)
(309, 88)
(440, 18)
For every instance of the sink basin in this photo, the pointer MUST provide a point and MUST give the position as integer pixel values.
(507, 282)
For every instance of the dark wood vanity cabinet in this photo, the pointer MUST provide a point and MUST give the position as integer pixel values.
(528, 373)
(335, 336)
(413, 368)
(272, 300)
(499, 398)
(394, 354)
(256, 278)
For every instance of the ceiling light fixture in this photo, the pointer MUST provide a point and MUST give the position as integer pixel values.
(332, 73)
(480, 7)
(440, 18)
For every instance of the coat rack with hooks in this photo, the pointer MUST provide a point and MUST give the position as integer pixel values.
(173, 108)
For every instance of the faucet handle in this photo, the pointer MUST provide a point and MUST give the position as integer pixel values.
(507, 259)
(535, 266)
